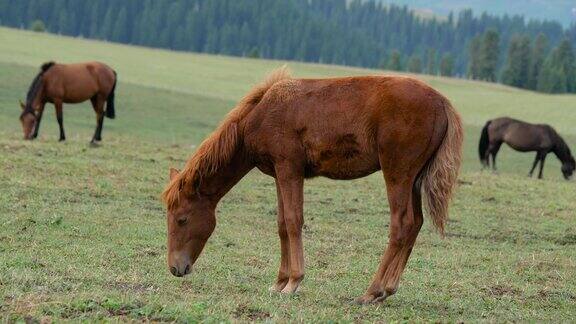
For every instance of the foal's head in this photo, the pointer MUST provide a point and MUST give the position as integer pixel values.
(568, 168)
(191, 221)
(28, 121)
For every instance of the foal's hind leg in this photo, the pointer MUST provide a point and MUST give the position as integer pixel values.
(98, 105)
(405, 223)
(284, 271)
(60, 118)
(493, 149)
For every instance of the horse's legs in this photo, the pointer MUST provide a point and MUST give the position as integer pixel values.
(487, 157)
(536, 160)
(542, 165)
(60, 118)
(411, 228)
(38, 120)
(494, 148)
(405, 223)
(98, 105)
(284, 271)
(291, 185)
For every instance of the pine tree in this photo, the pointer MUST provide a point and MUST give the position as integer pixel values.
(38, 26)
(489, 55)
(108, 24)
(395, 61)
(558, 74)
(537, 58)
(447, 65)
(120, 31)
(415, 64)
(62, 22)
(518, 62)
(474, 61)
(431, 62)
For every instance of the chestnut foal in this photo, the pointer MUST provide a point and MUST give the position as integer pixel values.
(343, 128)
(69, 83)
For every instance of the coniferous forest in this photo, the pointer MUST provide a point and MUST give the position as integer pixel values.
(531, 54)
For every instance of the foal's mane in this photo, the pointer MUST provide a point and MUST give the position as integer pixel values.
(217, 150)
(36, 85)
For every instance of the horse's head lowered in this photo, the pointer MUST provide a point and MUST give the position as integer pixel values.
(28, 121)
(568, 168)
(191, 221)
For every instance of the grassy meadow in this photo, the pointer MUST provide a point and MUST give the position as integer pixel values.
(82, 231)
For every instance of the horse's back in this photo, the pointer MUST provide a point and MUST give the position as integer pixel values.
(346, 126)
(78, 82)
(521, 136)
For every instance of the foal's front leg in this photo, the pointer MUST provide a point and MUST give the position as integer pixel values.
(536, 159)
(38, 120)
(540, 175)
(291, 184)
(284, 271)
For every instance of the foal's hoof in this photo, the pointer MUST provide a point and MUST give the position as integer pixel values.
(278, 286)
(370, 299)
(62, 140)
(94, 144)
(291, 287)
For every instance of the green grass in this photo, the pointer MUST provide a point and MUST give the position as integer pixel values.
(82, 232)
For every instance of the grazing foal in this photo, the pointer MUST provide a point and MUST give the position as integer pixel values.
(524, 137)
(343, 128)
(69, 83)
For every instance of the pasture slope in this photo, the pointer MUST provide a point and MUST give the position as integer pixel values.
(82, 232)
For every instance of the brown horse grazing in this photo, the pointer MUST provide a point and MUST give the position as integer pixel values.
(343, 128)
(69, 83)
(524, 137)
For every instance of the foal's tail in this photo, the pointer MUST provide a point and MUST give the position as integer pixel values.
(484, 143)
(439, 176)
(110, 112)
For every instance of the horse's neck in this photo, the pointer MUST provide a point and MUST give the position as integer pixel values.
(217, 185)
(561, 150)
(37, 93)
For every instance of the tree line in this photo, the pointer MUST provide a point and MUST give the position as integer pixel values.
(530, 64)
(348, 32)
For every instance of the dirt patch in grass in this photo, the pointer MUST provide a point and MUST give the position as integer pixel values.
(134, 287)
(135, 310)
(563, 295)
(251, 313)
(568, 239)
(501, 290)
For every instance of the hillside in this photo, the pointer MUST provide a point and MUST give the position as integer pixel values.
(83, 233)
(353, 33)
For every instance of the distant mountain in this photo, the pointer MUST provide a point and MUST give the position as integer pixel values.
(563, 11)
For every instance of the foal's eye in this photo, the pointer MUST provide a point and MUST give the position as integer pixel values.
(182, 221)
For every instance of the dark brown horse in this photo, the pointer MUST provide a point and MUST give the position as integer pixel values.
(524, 137)
(344, 128)
(69, 83)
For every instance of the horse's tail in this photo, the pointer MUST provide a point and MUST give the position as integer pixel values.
(439, 176)
(110, 111)
(484, 142)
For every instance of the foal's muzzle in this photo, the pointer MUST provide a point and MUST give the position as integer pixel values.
(180, 264)
(178, 273)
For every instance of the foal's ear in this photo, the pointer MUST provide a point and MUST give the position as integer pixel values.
(22, 105)
(173, 173)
